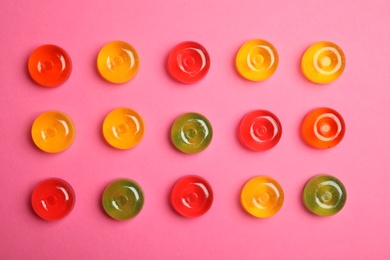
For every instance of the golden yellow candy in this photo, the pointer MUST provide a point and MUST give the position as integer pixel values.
(323, 62)
(118, 62)
(53, 131)
(123, 128)
(262, 197)
(257, 60)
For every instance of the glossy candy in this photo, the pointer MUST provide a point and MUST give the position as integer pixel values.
(188, 62)
(323, 62)
(123, 199)
(49, 65)
(262, 197)
(257, 60)
(323, 128)
(53, 131)
(324, 195)
(53, 199)
(118, 62)
(191, 133)
(260, 130)
(123, 128)
(191, 196)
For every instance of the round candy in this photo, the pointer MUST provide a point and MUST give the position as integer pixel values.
(191, 133)
(324, 195)
(53, 199)
(49, 65)
(262, 197)
(323, 62)
(260, 130)
(191, 196)
(188, 62)
(123, 199)
(123, 128)
(118, 62)
(257, 60)
(53, 131)
(323, 128)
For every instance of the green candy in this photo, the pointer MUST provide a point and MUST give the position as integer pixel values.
(191, 133)
(123, 199)
(324, 195)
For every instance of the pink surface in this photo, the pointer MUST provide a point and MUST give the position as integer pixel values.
(361, 160)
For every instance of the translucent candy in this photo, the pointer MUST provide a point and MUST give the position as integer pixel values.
(123, 128)
(262, 197)
(53, 131)
(191, 196)
(53, 199)
(118, 62)
(188, 62)
(257, 60)
(323, 128)
(260, 130)
(324, 195)
(191, 133)
(323, 62)
(49, 65)
(123, 199)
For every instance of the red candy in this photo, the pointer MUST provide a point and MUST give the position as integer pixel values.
(53, 199)
(191, 196)
(188, 62)
(49, 65)
(260, 130)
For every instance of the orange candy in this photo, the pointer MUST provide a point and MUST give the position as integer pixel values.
(118, 62)
(53, 131)
(123, 128)
(49, 65)
(323, 128)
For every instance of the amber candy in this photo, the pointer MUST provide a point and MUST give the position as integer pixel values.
(257, 60)
(123, 128)
(53, 131)
(262, 196)
(323, 62)
(118, 62)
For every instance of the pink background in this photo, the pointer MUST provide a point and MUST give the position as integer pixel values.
(361, 160)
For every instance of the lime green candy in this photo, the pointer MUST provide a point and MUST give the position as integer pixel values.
(324, 195)
(191, 133)
(123, 199)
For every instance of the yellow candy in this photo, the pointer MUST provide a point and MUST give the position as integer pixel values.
(262, 197)
(323, 62)
(118, 62)
(123, 128)
(53, 131)
(257, 60)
